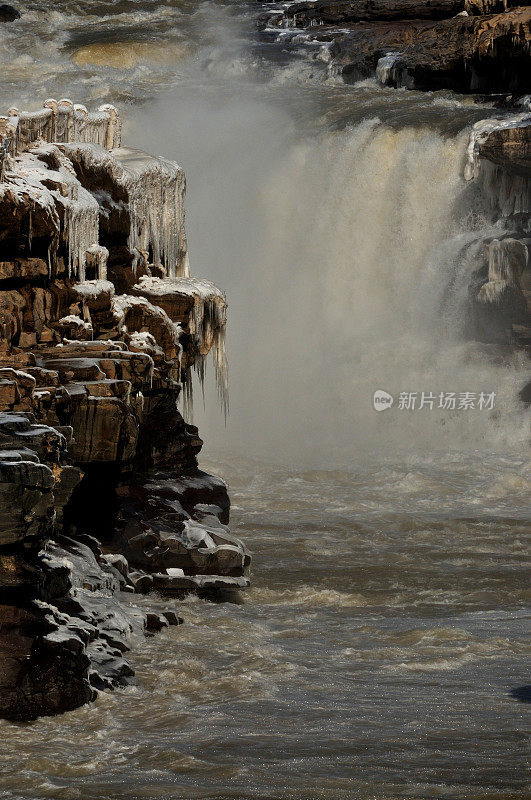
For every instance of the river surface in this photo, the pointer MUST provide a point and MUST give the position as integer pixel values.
(380, 651)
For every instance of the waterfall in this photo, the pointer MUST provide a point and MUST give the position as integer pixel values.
(347, 257)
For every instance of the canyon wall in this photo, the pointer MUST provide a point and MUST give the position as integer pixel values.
(101, 327)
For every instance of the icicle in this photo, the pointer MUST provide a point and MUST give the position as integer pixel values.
(82, 229)
(138, 258)
(508, 194)
(33, 127)
(188, 395)
(156, 190)
(507, 260)
(14, 119)
(80, 119)
(95, 130)
(221, 370)
(52, 105)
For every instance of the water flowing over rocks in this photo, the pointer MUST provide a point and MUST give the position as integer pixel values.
(100, 327)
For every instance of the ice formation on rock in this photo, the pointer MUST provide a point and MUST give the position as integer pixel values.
(155, 189)
(66, 162)
(89, 384)
(205, 324)
(385, 68)
(29, 179)
(63, 121)
(507, 259)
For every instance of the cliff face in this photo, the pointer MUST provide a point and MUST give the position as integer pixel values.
(100, 327)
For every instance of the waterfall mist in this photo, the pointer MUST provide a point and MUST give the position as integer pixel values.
(345, 256)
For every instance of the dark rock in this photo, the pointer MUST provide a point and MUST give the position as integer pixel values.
(339, 12)
(172, 618)
(470, 54)
(141, 582)
(8, 13)
(356, 54)
(155, 622)
(481, 7)
(41, 672)
(89, 383)
(524, 394)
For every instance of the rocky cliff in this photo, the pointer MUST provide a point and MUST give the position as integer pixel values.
(100, 328)
(464, 45)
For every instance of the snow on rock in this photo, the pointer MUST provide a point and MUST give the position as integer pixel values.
(66, 162)
(146, 343)
(93, 289)
(124, 303)
(29, 179)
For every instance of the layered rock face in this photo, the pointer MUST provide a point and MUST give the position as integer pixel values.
(100, 328)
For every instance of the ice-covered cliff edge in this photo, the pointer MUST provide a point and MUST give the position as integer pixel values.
(100, 326)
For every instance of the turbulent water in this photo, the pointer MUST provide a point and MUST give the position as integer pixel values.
(380, 651)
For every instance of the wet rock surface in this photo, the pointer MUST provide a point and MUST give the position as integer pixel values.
(95, 344)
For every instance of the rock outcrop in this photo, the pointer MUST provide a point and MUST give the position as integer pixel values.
(474, 46)
(469, 54)
(100, 327)
(509, 147)
(340, 12)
